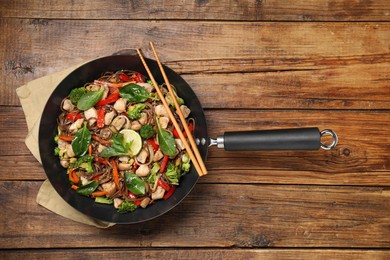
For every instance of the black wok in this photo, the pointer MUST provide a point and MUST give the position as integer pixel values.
(307, 138)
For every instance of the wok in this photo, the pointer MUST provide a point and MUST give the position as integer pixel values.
(306, 138)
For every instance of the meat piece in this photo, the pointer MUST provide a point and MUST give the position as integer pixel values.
(163, 121)
(142, 156)
(109, 187)
(90, 115)
(120, 105)
(143, 170)
(185, 110)
(108, 117)
(68, 105)
(76, 125)
(158, 194)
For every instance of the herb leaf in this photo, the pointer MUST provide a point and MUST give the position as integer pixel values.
(89, 99)
(166, 141)
(81, 141)
(118, 147)
(134, 183)
(88, 188)
(134, 93)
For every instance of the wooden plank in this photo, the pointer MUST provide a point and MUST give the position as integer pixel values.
(359, 159)
(274, 10)
(177, 253)
(212, 216)
(272, 65)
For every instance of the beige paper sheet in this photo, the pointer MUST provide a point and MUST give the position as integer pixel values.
(33, 97)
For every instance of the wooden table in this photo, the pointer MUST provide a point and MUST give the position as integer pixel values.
(253, 65)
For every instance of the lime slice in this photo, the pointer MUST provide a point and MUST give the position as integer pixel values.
(134, 139)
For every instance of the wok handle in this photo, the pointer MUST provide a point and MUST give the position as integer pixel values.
(282, 139)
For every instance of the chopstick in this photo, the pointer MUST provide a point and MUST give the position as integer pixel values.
(180, 113)
(172, 117)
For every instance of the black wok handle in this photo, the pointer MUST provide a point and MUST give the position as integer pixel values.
(282, 139)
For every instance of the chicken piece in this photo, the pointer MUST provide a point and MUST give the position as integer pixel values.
(158, 156)
(64, 163)
(149, 88)
(101, 148)
(62, 144)
(109, 187)
(90, 115)
(145, 202)
(76, 125)
(124, 166)
(120, 105)
(161, 111)
(158, 194)
(68, 105)
(143, 170)
(69, 151)
(117, 203)
(135, 125)
(179, 144)
(185, 110)
(163, 122)
(142, 156)
(118, 122)
(105, 93)
(143, 119)
(108, 117)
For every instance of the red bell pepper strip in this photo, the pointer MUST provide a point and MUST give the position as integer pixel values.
(153, 144)
(164, 163)
(176, 134)
(100, 117)
(96, 178)
(139, 77)
(73, 116)
(101, 160)
(110, 99)
(65, 138)
(137, 202)
(169, 193)
(132, 195)
(124, 77)
(163, 185)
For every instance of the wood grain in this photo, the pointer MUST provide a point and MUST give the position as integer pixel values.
(212, 216)
(277, 65)
(360, 158)
(273, 10)
(178, 253)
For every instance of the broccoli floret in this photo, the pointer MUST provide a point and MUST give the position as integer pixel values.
(57, 151)
(153, 173)
(172, 174)
(147, 131)
(127, 206)
(84, 162)
(76, 94)
(185, 167)
(134, 112)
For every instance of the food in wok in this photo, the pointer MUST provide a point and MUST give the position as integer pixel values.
(117, 142)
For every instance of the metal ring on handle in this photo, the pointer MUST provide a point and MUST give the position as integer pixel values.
(334, 136)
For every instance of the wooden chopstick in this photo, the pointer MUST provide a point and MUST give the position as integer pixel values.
(171, 116)
(180, 113)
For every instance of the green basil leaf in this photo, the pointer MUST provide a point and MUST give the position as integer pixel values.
(166, 141)
(134, 93)
(88, 188)
(81, 141)
(89, 99)
(118, 147)
(134, 183)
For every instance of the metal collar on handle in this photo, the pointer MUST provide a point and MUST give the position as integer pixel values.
(334, 136)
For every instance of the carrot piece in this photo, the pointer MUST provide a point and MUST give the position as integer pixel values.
(90, 149)
(74, 187)
(66, 138)
(99, 193)
(73, 177)
(100, 140)
(114, 85)
(115, 173)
